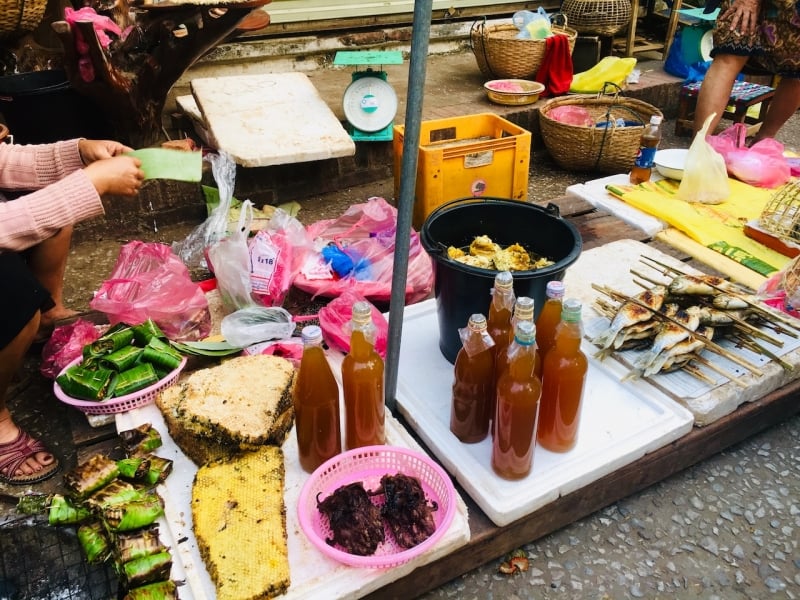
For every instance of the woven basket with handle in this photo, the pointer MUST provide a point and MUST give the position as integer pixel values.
(501, 55)
(20, 16)
(610, 149)
(598, 17)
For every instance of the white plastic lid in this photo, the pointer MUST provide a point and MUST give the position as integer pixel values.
(656, 119)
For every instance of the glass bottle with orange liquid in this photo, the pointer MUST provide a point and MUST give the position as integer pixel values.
(316, 404)
(518, 393)
(499, 319)
(362, 380)
(473, 383)
(563, 382)
(548, 319)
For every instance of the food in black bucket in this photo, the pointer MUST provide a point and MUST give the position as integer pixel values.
(461, 289)
(486, 254)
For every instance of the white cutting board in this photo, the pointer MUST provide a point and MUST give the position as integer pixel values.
(270, 119)
(619, 423)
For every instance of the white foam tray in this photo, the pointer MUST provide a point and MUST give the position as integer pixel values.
(313, 575)
(619, 423)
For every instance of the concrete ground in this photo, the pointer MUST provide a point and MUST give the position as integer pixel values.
(726, 528)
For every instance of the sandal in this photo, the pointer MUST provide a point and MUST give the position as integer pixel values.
(16, 453)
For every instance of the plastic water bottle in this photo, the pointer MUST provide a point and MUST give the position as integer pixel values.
(643, 164)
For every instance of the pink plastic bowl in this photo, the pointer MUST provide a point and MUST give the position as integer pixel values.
(368, 465)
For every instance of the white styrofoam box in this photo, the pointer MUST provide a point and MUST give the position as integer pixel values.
(270, 119)
(619, 423)
(313, 575)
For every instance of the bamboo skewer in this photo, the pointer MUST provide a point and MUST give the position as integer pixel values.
(711, 346)
(759, 349)
(719, 370)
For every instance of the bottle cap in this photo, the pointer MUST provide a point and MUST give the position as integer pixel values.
(311, 333)
(504, 279)
(525, 333)
(571, 310)
(656, 119)
(523, 308)
(555, 289)
(362, 312)
(477, 322)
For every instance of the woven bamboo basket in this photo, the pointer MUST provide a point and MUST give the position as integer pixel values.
(781, 214)
(20, 16)
(610, 149)
(501, 55)
(598, 17)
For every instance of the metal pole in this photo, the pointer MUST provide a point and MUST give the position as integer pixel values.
(420, 35)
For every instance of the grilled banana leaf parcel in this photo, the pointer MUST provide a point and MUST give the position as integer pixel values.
(140, 440)
(160, 468)
(147, 569)
(133, 515)
(135, 379)
(136, 544)
(94, 542)
(162, 590)
(63, 511)
(115, 493)
(79, 381)
(91, 475)
(135, 468)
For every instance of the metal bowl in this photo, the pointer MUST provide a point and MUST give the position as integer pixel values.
(671, 163)
(513, 92)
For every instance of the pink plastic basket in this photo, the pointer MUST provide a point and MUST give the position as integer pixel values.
(368, 465)
(117, 405)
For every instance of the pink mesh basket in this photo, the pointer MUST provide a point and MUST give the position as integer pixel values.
(124, 403)
(368, 465)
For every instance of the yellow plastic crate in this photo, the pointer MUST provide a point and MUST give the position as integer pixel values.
(474, 155)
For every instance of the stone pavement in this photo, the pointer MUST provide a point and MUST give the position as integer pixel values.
(726, 528)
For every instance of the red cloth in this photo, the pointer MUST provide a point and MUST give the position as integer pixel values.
(556, 70)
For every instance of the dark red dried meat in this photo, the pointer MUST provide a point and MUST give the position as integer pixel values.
(406, 510)
(354, 520)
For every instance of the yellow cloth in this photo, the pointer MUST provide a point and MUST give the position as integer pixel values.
(717, 226)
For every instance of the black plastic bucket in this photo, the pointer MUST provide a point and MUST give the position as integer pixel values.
(41, 107)
(462, 290)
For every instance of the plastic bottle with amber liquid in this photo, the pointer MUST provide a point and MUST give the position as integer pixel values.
(548, 319)
(473, 383)
(501, 309)
(563, 383)
(523, 311)
(316, 404)
(643, 164)
(518, 393)
(362, 380)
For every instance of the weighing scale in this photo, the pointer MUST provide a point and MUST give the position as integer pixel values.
(369, 102)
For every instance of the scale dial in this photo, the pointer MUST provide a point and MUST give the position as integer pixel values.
(370, 104)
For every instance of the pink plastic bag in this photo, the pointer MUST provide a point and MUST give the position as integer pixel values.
(150, 282)
(761, 165)
(334, 320)
(65, 345)
(364, 235)
(101, 24)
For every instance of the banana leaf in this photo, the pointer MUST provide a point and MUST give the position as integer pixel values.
(63, 511)
(116, 492)
(147, 569)
(136, 544)
(115, 338)
(90, 476)
(146, 331)
(210, 349)
(135, 379)
(135, 468)
(140, 440)
(94, 542)
(133, 515)
(167, 361)
(33, 503)
(162, 590)
(122, 359)
(89, 384)
(160, 468)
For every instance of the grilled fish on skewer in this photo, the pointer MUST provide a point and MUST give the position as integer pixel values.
(730, 302)
(631, 313)
(691, 285)
(670, 355)
(670, 333)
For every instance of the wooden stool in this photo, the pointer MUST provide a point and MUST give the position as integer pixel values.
(743, 96)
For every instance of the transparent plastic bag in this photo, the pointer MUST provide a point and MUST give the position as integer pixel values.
(334, 319)
(229, 260)
(705, 177)
(254, 324)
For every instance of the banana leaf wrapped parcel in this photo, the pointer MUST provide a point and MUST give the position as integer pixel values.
(136, 378)
(115, 493)
(129, 545)
(91, 475)
(86, 383)
(122, 359)
(63, 511)
(146, 569)
(146, 331)
(161, 590)
(94, 542)
(133, 515)
(140, 440)
(134, 468)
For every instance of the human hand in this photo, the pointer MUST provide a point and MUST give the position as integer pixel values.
(93, 150)
(121, 175)
(743, 16)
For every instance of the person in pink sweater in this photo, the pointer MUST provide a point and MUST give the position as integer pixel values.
(65, 182)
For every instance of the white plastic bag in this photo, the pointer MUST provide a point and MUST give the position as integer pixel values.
(254, 324)
(229, 260)
(705, 177)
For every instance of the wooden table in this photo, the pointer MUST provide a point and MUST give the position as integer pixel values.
(489, 541)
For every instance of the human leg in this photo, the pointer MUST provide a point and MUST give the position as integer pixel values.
(48, 263)
(785, 103)
(716, 89)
